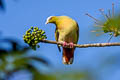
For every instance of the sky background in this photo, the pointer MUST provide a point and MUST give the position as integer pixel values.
(20, 15)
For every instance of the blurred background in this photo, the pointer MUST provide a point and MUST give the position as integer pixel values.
(19, 62)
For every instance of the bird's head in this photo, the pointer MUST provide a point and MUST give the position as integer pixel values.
(51, 19)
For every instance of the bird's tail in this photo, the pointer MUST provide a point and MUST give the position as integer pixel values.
(68, 55)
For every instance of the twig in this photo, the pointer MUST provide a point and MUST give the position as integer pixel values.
(92, 17)
(102, 12)
(110, 38)
(84, 45)
(112, 9)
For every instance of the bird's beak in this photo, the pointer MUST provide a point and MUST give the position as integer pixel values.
(46, 22)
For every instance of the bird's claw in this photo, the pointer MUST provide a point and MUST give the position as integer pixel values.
(71, 45)
(65, 44)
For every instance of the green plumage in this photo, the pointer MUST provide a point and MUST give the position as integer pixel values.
(67, 30)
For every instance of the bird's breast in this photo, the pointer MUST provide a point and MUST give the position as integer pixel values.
(68, 35)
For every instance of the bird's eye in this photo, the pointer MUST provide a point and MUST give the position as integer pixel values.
(51, 18)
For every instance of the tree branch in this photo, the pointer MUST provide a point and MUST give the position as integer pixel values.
(83, 45)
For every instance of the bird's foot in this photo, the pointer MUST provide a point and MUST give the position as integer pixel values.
(71, 45)
(65, 44)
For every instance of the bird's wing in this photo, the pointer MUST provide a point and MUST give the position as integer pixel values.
(77, 32)
(56, 37)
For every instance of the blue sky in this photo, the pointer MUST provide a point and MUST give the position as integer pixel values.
(20, 15)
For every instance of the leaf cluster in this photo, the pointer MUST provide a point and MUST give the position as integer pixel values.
(16, 58)
(111, 25)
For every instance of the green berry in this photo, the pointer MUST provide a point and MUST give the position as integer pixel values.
(32, 28)
(26, 39)
(110, 33)
(39, 31)
(29, 30)
(38, 35)
(36, 42)
(32, 37)
(38, 46)
(33, 44)
(28, 42)
(28, 33)
(42, 32)
(36, 38)
(36, 28)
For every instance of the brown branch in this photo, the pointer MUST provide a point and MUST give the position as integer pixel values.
(84, 45)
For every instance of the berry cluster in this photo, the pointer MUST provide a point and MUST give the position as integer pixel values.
(33, 36)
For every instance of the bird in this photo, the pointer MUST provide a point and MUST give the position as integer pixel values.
(67, 33)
